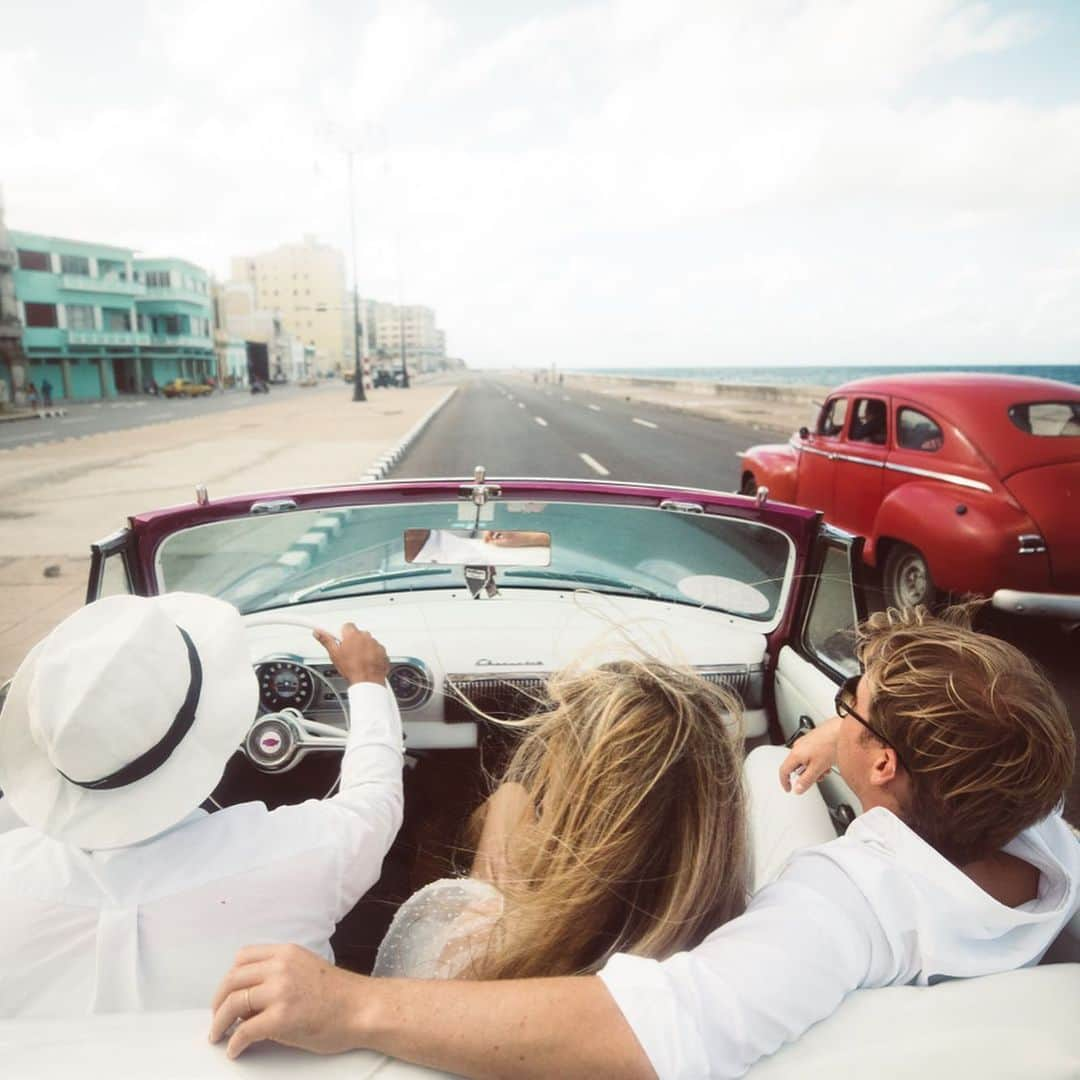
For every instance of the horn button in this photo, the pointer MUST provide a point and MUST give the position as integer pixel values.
(272, 741)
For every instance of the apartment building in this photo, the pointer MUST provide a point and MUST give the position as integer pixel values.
(98, 322)
(304, 285)
(391, 325)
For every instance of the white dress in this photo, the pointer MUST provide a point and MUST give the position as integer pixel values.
(439, 930)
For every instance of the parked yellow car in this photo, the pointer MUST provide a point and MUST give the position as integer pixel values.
(184, 388)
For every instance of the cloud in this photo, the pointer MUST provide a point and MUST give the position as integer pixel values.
(622, 182)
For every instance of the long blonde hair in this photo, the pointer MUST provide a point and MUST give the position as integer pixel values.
(638, 843)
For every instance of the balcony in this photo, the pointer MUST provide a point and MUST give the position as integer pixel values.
(86, 283)
(107, 337)
(180, 341)
(169, 292)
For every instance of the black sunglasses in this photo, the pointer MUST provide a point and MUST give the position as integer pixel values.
(844, 704)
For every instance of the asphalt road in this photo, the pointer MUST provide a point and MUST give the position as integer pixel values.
(517, 428)
(129, 411)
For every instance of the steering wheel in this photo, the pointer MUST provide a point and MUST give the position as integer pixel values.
(277, 742)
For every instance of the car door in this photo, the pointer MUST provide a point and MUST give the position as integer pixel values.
(113, 567)
(860, 464)
(821, 652)
(817, 456)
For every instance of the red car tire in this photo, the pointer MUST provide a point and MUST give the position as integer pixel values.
(906, 578)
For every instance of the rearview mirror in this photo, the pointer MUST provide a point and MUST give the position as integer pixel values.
(804, 433)
(477, 547)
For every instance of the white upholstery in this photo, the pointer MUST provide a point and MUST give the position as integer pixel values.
(1017, 1024)
(780, 823)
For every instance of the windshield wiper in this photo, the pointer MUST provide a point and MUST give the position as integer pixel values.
(365, 579)
(585, 578)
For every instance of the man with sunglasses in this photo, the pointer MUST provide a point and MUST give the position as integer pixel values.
(959, 752)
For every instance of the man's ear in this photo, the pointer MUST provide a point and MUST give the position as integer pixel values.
(885, 766)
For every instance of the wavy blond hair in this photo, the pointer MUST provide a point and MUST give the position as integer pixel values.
(639, 842)
(985, 737)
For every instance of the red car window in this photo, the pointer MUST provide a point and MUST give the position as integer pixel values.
(869, 421)
(1054, 418)
(833, 414)
(916, 431)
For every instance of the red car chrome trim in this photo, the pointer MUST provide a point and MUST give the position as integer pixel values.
(859, 460)
(949, 478)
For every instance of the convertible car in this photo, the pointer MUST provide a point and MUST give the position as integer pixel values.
(958, 482)
(480, 588)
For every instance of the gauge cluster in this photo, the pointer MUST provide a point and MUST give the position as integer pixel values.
(283, 683)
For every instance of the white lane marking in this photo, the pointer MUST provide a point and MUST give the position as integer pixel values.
(595, 408)
(160, 416)
(521, 404)
(540, 420)
(645, 423)
(594, 464)
(565, 397)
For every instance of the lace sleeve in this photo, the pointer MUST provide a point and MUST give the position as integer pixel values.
(436, 930)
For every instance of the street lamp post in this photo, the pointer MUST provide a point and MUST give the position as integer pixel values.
(358, 370)
(401, 334)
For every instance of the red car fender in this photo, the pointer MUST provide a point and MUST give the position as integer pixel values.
(969, 538)
(775, 466)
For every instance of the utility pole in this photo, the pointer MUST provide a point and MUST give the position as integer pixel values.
(358, 371)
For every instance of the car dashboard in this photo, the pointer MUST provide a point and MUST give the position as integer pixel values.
(455, 661)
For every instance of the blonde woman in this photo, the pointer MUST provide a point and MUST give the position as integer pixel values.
(619, 826)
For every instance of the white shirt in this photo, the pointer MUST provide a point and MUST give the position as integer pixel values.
(876, 907)
(156, 925)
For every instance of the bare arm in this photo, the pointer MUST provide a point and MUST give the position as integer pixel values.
(567, 1027)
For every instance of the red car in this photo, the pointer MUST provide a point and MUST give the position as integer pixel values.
(958, 482)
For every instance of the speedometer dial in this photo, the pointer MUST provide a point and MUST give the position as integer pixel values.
(283, 684)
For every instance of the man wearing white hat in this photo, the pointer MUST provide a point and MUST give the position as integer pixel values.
(120, 894)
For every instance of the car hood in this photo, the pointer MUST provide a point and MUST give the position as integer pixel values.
(1051, 495)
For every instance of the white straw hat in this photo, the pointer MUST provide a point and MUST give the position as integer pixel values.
(121, 721)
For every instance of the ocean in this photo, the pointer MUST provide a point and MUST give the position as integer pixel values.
(831, 375)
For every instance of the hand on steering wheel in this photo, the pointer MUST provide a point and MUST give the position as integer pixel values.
(278, 741)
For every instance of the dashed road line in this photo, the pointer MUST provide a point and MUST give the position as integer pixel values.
(541, 421)
(521, 404)
(595, 408)
(594, 464)
(645, 423)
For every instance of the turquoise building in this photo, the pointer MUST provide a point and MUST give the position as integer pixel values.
(98, 322)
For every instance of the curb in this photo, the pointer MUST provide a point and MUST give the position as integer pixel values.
(383, 464)
(299, 556)
(36, 414)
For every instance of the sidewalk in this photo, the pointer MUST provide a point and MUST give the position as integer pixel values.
(56, 499)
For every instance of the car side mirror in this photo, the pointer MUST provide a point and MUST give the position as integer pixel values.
(804, 433)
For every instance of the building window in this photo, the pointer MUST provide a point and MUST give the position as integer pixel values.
(34, 260)
(144, 324)
(75, 264)
(113, 269)
(116, 320)
(41, 315)
(79, 316)
(158, 279)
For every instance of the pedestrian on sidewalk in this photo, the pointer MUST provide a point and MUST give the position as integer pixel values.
(32, 395)
(46, 393)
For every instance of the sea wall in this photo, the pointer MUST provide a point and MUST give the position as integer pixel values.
(791, 394)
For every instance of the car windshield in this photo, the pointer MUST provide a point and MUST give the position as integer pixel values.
(259, 562)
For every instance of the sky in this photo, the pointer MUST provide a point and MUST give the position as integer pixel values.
(618, 183)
